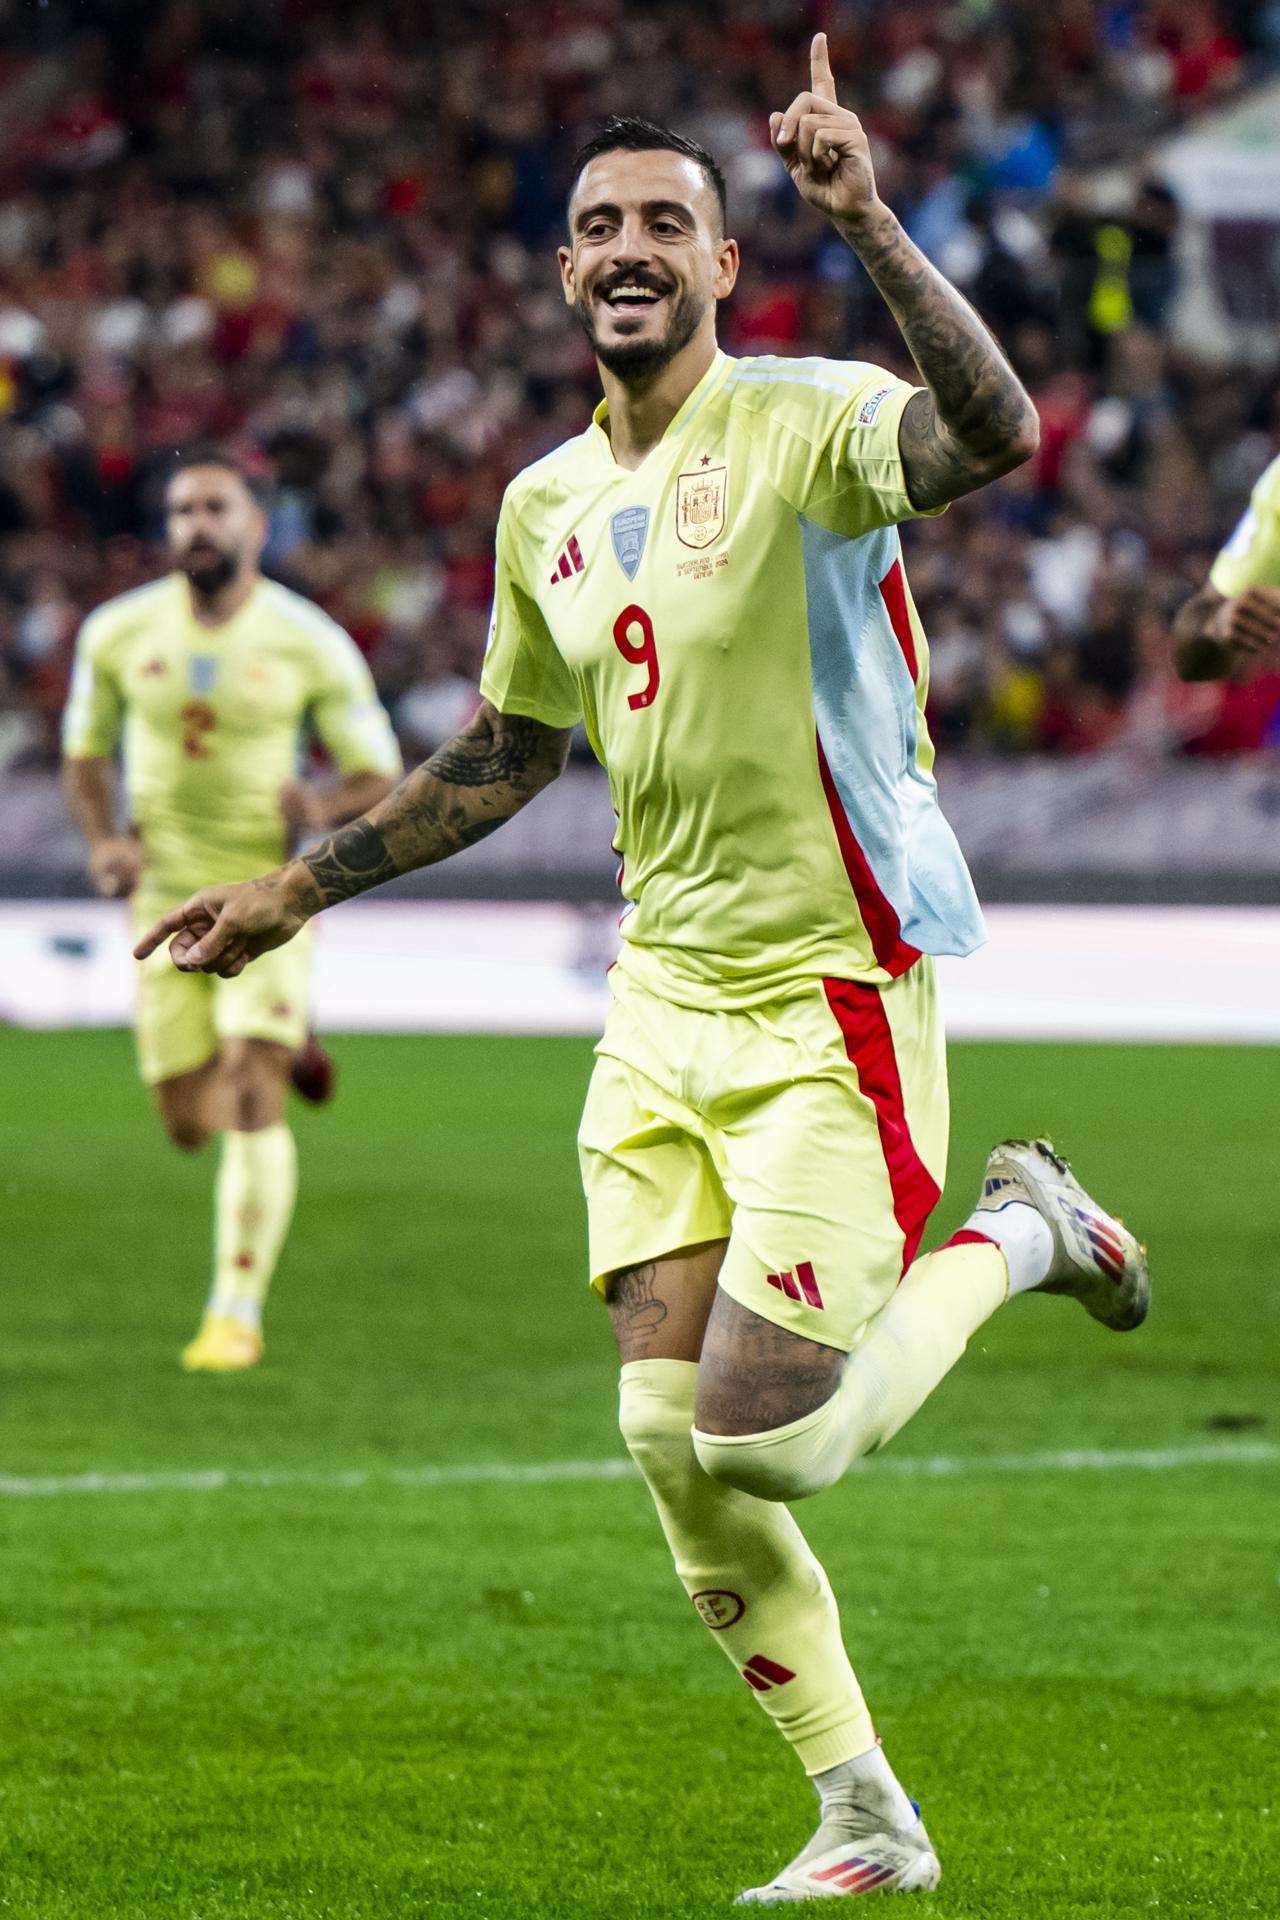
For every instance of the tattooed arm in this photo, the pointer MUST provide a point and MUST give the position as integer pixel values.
(480, 778)
(976, 421)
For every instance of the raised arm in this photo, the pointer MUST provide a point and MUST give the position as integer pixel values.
(477, 780)
(976, 420)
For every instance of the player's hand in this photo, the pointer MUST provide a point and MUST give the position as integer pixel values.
(221, 929)
(115, 864)
(1250, 623)
(302, 808)
(823, 146)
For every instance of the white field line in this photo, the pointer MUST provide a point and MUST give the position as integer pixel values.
(1246, 1453)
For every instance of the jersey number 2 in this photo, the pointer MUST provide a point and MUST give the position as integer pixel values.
(198, 719)
(641, 653)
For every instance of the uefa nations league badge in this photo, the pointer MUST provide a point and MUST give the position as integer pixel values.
(630, 529)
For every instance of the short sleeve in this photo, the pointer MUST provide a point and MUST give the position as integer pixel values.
(346, 712)
(94, 712)
(523, 672)
(1251, 557)
(827, 432)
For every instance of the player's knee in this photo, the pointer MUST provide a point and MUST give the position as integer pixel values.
(254, 1074)
(781, 1463)
(185, 1131)
(655, 1415)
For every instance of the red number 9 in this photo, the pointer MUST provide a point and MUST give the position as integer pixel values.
(641, 653)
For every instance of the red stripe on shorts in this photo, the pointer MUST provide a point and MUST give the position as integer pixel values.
(968, 1238)
(884, 931)
(893, 591)
(868, 1041)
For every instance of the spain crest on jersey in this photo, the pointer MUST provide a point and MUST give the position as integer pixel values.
(700, 505)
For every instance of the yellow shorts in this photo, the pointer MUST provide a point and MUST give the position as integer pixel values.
(812, 1133)
(183, 1018)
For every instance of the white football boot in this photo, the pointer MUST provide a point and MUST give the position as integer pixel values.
(858, 1851)
(1096, 1260)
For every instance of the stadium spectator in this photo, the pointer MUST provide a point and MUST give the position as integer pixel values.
(322, 238)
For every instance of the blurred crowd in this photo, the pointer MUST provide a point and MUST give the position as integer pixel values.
(323, 235)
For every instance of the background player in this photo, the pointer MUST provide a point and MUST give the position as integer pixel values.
(711, 576)
(208, 675)
(1235, 617)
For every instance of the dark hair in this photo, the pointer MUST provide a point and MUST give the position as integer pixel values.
(628, 134)
(211, 456)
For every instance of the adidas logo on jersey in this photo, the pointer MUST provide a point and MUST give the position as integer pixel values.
(569, 563)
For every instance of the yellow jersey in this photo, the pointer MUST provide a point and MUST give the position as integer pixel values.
(1251, 557)
(733, 623)
(210, 718)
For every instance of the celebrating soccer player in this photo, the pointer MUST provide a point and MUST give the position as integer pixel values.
(1234, 620)
(711, 576)
(210, 673)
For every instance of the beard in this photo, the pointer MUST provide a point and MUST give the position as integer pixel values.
(644, 359)
(209, 571)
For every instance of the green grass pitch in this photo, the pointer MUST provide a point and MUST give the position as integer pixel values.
(316, 1697)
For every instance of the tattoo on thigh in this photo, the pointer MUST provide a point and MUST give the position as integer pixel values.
(632, 1293)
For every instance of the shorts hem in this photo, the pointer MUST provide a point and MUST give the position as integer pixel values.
(658, 1247)
(154, 1074)
(293, 1037)
(810, 1323)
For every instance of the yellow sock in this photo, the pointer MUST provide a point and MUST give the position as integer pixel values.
(910, 1345)
(253, 1205)
(748, 1570)
(916, 1339)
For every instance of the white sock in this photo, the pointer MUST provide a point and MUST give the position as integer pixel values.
(1023, 1237)
(851, 1781)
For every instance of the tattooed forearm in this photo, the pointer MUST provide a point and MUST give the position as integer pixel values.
(464, 792)
(976, 421)
(351, 860)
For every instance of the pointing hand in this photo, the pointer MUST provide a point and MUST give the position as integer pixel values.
(823, 145)
(221, 929)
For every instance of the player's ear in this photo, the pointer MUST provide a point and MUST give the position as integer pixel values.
(726, 268)
(565, 257)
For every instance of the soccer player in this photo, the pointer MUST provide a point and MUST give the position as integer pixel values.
(209, 674)
(711, 576)
(1235, 617)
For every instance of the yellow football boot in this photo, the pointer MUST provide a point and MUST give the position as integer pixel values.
(223, 1345)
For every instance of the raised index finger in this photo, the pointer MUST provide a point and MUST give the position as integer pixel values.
(821, 79)
(167, 924)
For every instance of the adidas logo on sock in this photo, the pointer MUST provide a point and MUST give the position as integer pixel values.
(762, 1675)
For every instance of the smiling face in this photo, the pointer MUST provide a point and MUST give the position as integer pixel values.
(216, 528)
(647, 259)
